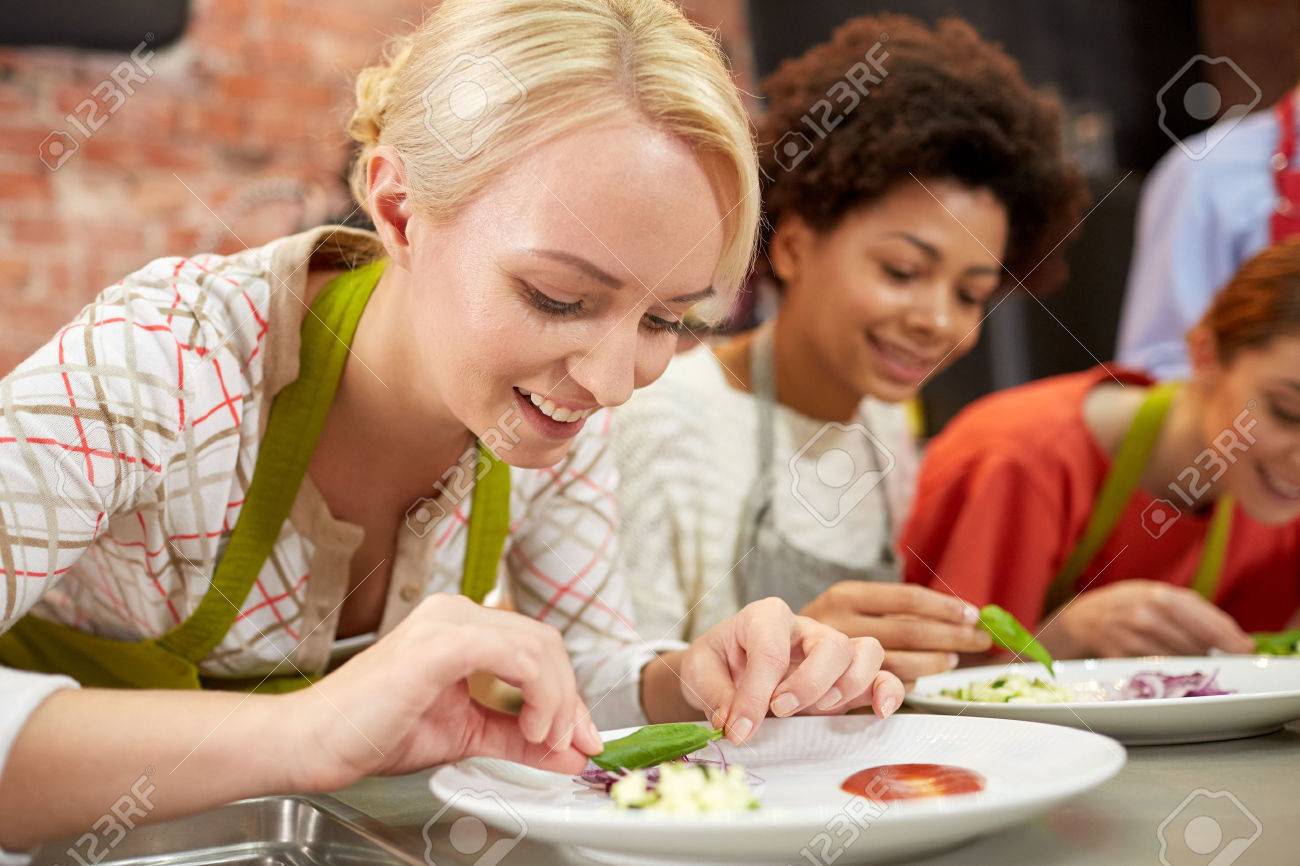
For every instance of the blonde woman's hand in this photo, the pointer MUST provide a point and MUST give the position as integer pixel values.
(1141, 617)
(767, 658)
(403, 705)
(921, 630)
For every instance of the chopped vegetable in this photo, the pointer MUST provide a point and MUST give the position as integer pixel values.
(1016, 689)
(1008, 633)
(1280, 643)
(655, 744)
(1146, 685)
(1149, 685)
(685, 788)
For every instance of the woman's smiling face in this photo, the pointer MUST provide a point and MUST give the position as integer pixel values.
(1251, 426)
(563, 284)
(897, 290)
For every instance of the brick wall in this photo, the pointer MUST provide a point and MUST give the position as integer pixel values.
(236, 137)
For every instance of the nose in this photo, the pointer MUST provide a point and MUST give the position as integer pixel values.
(931, 310)
(606, 367)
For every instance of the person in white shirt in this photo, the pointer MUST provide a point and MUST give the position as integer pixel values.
(781, 461)
(205, 485)
(1210, 204)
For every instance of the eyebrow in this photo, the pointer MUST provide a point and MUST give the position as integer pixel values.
(932, 252)
(591, 269)
(588, 267)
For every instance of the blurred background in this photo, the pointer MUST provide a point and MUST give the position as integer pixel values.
(142, 128)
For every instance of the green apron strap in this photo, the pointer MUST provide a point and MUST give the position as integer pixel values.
(489, 524)
(1123, 478)
(297, 417)
(1206, 581)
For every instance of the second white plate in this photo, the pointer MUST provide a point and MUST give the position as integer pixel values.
(1267, 697)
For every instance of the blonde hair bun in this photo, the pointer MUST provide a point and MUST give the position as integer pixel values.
(540, 69)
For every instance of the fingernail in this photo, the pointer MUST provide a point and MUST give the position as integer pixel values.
(833, 697)
(952, 660)
(740, 729)
(888, 706)
(593, 733)
(972, 613)
(785, 705)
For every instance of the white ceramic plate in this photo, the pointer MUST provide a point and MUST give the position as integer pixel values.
(1028, 768)
(1268, 696)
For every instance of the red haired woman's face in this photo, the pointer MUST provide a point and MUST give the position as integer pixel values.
(1252, 427)
(896, 291)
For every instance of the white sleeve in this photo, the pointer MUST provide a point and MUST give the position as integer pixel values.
(87, 425)
(21, 694)
(561, 567)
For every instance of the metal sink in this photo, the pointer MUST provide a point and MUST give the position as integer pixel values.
(268, 831)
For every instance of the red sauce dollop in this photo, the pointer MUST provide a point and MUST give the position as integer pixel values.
(912, 782)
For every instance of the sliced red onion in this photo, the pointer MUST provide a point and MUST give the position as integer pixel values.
(1147, 685)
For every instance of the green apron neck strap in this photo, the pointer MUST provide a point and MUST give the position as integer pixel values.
(1206, 580)
(1123, 478)
(297, 417)
(489, 524)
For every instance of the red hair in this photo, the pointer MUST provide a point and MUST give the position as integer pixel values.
(1260, 302)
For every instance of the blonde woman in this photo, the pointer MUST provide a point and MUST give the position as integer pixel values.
(205, 484)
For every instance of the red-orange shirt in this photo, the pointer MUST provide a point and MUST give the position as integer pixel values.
(1006, 491)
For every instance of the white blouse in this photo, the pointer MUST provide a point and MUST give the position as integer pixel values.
(127, 444)
(687, 450)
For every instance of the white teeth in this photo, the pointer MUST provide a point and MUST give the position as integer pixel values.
(557, 413)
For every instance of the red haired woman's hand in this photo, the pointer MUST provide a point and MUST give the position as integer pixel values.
(1141, 617)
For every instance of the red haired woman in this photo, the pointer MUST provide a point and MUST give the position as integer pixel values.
(1125, 517)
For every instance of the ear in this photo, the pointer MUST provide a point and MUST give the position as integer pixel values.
(389, 202)
(791, 248)
(1203, 352)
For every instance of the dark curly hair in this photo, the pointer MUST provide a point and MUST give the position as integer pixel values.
(950, 106)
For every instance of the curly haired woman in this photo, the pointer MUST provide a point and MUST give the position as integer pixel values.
(910, 176)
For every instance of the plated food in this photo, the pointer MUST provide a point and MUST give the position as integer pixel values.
(923, 784)
(653, 768)
(1146, 701)
(1141, 686)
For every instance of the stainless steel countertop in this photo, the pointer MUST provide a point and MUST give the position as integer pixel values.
(1117, 824)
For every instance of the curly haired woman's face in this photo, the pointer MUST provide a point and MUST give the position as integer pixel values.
(562, 287)
(896, 291)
